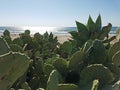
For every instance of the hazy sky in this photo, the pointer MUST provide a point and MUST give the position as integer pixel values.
(57, 12)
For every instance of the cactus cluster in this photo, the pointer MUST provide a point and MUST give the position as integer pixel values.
(91, 31)
(86, 62)
(12, 65)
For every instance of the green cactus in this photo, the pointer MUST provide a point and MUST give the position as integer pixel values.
(52, 81)
(25, 86)
(27, 32)
(114, 68)
(91, 31)
(96, 53)
(6, 36)
(82, 31)
(75, 60)
(93, 85)
(105, 31)
(116, 86)
(61, 65)
(113, 49)
(67, 87)
(29, 53)
(33, 45)
(34, 82)
(16, 48)
(39, 67)
(82, 35)
(6, 33)
(86, 46)
(116, 58)
(4, 48)
(96, 71)
(18, 41)
(13, 66)
(48, 69)
(65, 49)
(26, 38)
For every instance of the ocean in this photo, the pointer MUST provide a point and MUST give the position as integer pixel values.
(42, 30)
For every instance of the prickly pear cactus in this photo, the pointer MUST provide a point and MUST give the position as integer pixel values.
(105, 31)
(48, 68)
(18, 41)
(25, 86)
(76, 60)
(16, 48)
(39, 67)
(87, 46)
(27, 32)
(66, 48)
(52, 81)
(116, 58)
(67, 87)
(96, 53)
(91, 31)
(26, 38)
(6, 33)
(6, 36)
(114, 68)
(96, 71)
(61, 65)
(114, 48)
(12, 66)
(34, 82)
(116, 86)
(4, 48)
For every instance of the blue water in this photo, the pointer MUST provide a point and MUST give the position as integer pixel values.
(42, 30)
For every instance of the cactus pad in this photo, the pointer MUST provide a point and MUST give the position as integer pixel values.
(12, 66)
(96, 71)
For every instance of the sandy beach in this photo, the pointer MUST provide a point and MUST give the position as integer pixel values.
(63, 38)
